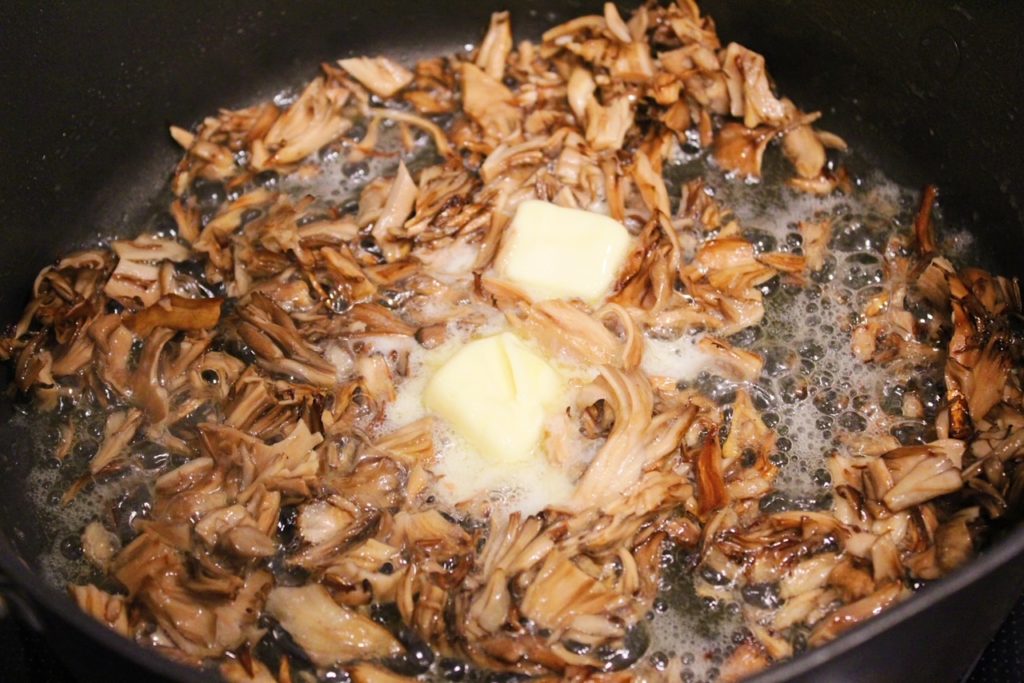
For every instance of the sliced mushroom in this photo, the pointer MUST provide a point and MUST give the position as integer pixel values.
(326, 631)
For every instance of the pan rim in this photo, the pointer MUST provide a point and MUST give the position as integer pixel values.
(59, 605)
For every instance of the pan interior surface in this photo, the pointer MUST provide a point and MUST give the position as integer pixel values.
(922, 92)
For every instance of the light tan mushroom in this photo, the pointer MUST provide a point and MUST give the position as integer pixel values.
(381, 75)
(326, 631)
(265, 348)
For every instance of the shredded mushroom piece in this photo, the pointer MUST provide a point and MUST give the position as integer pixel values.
(381, 75)
(328, 632)
(263, 351)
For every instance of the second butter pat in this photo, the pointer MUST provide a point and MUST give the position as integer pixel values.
(552, 252)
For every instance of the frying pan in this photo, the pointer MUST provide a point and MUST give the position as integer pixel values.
(929, 93)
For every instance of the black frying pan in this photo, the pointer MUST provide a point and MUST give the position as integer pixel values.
(929, 93)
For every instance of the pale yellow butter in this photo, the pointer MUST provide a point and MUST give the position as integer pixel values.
(552, 252)
(495, 393)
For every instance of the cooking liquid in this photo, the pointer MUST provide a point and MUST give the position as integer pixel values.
(813, 391)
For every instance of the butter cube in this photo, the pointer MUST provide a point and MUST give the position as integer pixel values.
(552, 252)
(495, 392)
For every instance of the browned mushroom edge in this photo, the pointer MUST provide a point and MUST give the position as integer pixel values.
(246, 346)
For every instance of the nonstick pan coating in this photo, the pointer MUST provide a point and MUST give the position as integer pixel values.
(926, 92)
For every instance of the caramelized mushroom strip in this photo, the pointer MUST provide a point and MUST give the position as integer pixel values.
(469, 360)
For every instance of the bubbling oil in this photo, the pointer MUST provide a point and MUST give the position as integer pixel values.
(118, 501)
(341, 176)
(813, 391)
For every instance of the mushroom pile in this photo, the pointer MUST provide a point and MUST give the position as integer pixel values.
(261, 341)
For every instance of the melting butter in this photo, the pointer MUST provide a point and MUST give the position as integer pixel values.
(553, 252)
(496, 392)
